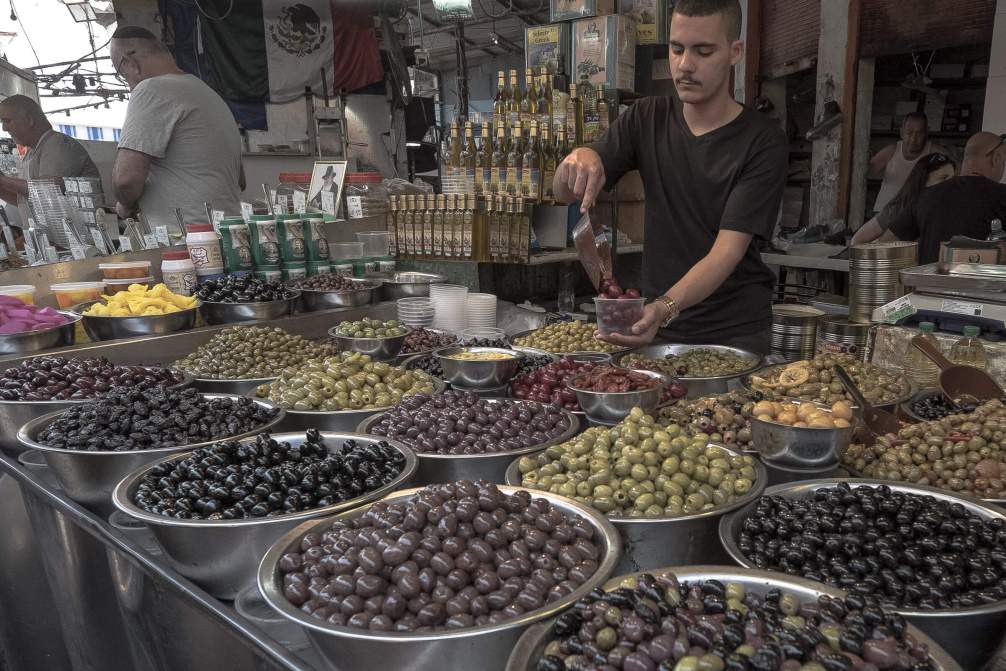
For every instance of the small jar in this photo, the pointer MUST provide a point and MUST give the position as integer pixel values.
(294, 270)
(203, 244)
(178, 272)
(264, 240)
(269, 273)
(236, 243)
(290, 233)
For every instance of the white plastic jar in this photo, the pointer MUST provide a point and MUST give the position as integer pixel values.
(178, 272)
(204, 249)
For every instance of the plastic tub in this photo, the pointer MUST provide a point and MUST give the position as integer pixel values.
(23, 292)
(375, 243)
(345, 256)
(617, 315)
(125, 271)
(69, 294)
(115, 286)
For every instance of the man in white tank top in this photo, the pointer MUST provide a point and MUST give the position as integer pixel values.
(895, 161)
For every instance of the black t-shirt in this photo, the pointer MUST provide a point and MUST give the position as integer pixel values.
(963, 205)
(731, 178)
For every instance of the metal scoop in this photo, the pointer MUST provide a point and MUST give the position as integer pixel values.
(959, 383)
(878, 422)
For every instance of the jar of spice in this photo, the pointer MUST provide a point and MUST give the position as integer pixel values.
(236, 244)
(178, 272)
(203, 244)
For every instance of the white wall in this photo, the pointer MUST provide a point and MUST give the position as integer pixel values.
(995, 93)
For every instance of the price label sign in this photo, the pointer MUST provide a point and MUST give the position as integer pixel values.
(299, 201)
(149, 241)
(77, 252)
(99, 240)
(218, 215)
(125, 244)
(354, 207)
(328, 202)
(247, 211)
(161, 232)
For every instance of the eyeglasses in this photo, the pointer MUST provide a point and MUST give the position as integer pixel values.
(1002, 141)
(118, 66)
(936, 160)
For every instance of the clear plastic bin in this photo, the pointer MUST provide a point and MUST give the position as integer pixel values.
(617, 315)
(23, 292)
(365, 195)
(69, 294)
(115, 286)
(375, 243)
(123, 271)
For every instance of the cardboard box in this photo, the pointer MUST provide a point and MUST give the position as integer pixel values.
(651, 19)
(604, 49)
(565, 10)
(546, 46)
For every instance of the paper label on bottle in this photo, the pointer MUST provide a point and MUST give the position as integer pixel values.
(328, 202)
(125, 244)
(897, 310)
(354, 207)
(299, 201)
(247, 211)
(962, 308)
(161, 232)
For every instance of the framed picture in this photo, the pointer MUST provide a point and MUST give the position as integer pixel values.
(325, 191)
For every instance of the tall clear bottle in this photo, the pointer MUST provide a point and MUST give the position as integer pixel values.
(917, 365)
(969, 350)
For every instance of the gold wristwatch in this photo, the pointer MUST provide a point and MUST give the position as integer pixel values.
(672, 309)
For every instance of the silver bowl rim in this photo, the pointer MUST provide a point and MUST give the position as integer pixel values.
(907, 381)
(534, 351)
(448, 352)
(33, 426)
(512, 340)
(70, 314)
(187, 380)
(121, 495)
(79, 309)
(259, 380)
(758, 359)
(344, 339)
(275, 598)
(724, 574)
(391, 277)
(757, 489)
(787, 490)
(370, 285)
(649, 373)
(438, 387)
(255, 303)
(568, 434)
(457, 339)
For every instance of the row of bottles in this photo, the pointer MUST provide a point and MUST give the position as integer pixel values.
(461, 226)
(967, 351)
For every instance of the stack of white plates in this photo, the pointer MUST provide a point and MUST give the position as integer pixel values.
(415, 311)
(448, 306)
(481, 311)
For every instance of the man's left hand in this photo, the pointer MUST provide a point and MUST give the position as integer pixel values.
(643, 331)
(123, 211)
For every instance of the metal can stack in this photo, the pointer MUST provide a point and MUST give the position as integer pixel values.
(840, 335)
(794, 331)
(874, 276)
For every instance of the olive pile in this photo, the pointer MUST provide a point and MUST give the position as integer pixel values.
(56, 378)
(424, 340)
(326, 282)
(937, 406)
(530, 362)
(610, 379)
(233, 481)
(370, 328)
(462, 423)
(147, 419)
(247, 289)
(486, 342)
(450, 556)
(962, 453)
(725, 418)
(815, 380)
(347, 381)
(657, 623)
(898, 550)
(638, 469)
(698, 362)
(565, 337)
(429, 364)
(250, 352)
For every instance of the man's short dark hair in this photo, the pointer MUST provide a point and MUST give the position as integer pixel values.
(133, 33)
(916, 116)
(730, 9)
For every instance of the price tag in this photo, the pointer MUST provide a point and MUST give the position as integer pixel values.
(99, 240)
(77, 252)
(3, 251)
(162, 235)
(218, 215)
(962, 308)
(897, 310)
(51, 255)
(328, 202)
(150, 241)
(354, 207)
(299, 201)
(125, 244)
(247, 211)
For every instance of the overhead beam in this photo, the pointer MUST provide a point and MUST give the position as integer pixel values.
(437, 24)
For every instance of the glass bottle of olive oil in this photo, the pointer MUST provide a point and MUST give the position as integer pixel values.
(515, 153)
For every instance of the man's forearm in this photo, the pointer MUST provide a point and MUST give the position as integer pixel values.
(128, 193)
(710, 272)
(11, 188)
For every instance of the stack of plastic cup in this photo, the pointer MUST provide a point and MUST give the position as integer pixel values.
(415, 311)
(448, 306)
(480, 311)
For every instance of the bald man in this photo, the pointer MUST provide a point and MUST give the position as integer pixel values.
(964, 205)
(50, 153)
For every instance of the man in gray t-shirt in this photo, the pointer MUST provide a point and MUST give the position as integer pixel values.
(180, 146)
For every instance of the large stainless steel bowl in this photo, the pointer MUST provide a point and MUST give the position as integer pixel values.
(379, 349)
(611, 407)
(890, 406)
(36, 341)
(697, 386)
(222, 556)
(800, 447)
(435, 468)
(970, 635)
(238, 387)
(313, 300)
(406, 284)
(483, 648)
(114, 328)
(473, 374)
(230, 313)
(15, 414)
(671, 541)
(532, 644)
(89, 477)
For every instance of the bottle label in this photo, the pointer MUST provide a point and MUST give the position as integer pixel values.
(531, 182)
(479, 182)
(546, 185)
(487, 179)
(513, 181)
(467, 233)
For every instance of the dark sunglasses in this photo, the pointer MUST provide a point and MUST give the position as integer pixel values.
(1002, 141)
(936, 160)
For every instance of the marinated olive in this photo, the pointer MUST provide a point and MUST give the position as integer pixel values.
(561, 337)
(56, 378)
(370, 328)
(816, 380)
(251, 352)
(698, 362)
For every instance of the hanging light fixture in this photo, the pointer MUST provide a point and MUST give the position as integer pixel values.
(80, 10)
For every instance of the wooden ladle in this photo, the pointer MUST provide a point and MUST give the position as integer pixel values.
(960, 382)
(878, 422)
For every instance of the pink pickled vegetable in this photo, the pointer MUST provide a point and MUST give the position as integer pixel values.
(13, 326)
(17, 317)
(11, 300)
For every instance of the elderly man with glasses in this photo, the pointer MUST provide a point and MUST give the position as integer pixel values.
(964, 205)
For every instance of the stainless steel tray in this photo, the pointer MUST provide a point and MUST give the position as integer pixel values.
(958, 276)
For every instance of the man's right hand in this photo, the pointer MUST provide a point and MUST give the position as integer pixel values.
(580, 177)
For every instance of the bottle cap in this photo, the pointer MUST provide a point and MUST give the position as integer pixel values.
(174, 256)
(199, 228)
(927, 327)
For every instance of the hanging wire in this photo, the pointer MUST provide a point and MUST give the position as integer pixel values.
(25, 33)
(230, 8)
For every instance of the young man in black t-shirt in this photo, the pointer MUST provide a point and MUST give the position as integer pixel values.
(714, 173)
(964, 205)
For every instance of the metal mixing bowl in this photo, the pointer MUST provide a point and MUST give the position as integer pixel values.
(435, 468)
(36, 341)
(697, 386)
(800, 447)
(114, 328)
(222, 556)
(406, 284)
(229, 313)
(970, 635)
(611, 407)
(473, 374)
(890, 406)
(89, 477)
(532, 644)
(484, 648)
(237, 387)
(671, 541)
(313, 300)
(378, 349)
